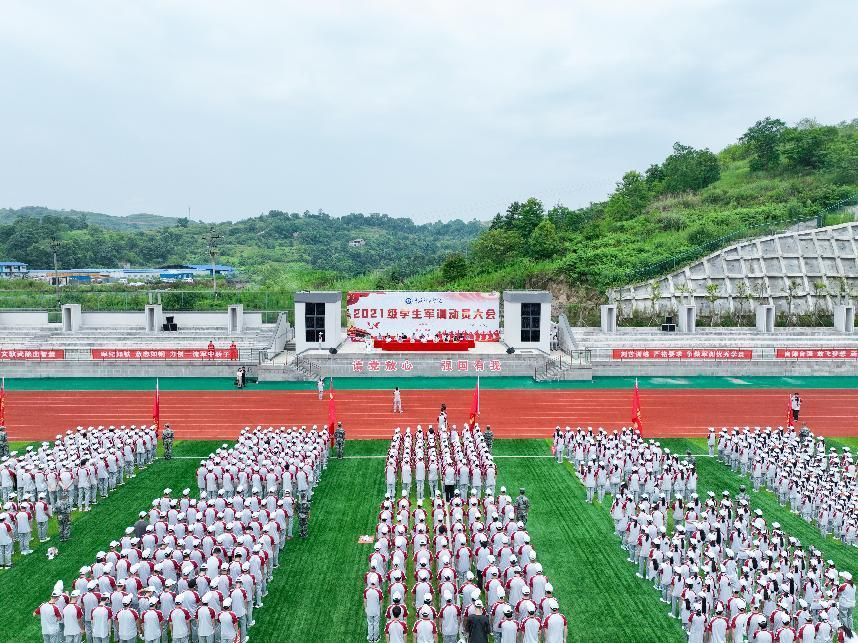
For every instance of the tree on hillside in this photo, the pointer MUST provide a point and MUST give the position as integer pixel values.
(496, 247)
(805, 148)
(544, 242)
(454, 267)
(630, 198)
(531, 215)
(762, 139)
(689, 169)
(521, 217)
(841, 158)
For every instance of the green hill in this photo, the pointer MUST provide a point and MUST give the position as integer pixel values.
(278, 250)
(673, 212)
(131, 222)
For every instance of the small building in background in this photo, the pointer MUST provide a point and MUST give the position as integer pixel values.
(13, 269)
(357, 243)
(128, 275)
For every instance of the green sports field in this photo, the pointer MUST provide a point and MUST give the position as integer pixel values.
(316, 593)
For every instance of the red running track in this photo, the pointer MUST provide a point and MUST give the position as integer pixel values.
(40, 415)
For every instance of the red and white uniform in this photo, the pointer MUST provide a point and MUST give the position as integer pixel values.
(717, 628)
(180, 619)
(71, 623)
(126, 623)
(50, 616)
(425, 631)
(553, 627)
(101, 620)
(228, 622)
(151, 620)
(396, 630)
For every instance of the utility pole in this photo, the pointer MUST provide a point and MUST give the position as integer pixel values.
(55, 247)
(212, 238)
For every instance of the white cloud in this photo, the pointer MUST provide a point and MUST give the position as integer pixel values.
(433, 110)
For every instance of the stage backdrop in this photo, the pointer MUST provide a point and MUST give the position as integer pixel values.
(381, 313)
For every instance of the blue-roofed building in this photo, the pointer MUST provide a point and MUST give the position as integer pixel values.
(10, 269)
(226, 271)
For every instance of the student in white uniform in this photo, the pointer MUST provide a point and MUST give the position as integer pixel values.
(397, 400)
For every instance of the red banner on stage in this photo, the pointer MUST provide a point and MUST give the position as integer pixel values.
(816, 353)
(32, 354)
(163, 353)
(683, 353)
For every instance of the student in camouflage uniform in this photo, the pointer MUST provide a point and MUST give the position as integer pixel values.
(303, 515)
(4, 443)
(489, 437)
(63, 513)
(340, 440)
(167, 439)
(522, 507)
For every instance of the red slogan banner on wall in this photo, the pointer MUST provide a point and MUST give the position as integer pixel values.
(162, 353)
(682, 353)
(32, 354)
(816, 353)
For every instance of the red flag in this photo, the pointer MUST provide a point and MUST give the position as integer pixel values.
(3, 402)
(475, 405)
(790, 423)
(332, 410)
(637, 419)
(156, 409)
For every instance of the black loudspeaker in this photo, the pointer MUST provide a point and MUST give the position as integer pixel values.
(332, 351)
(668, 319)
(510, 350)
(169, 319)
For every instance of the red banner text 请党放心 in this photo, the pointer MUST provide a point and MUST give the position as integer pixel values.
(426, 315)
(29, 354)
(164, 353)
(683, 353)
(816, 353)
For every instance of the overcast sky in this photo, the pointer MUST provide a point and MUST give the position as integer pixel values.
(431, 110)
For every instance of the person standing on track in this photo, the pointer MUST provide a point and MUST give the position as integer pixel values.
(320, 386)
(397, 400)
(795, 404)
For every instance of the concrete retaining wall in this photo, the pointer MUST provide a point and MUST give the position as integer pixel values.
(771, 270)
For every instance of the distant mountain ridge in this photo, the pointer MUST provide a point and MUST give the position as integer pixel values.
(141, 221)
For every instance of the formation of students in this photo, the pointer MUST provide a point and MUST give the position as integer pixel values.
(821, 487)
(603, 463)
(195, 569)
(724, 571)
(89, 463)
(475, 572)
(440, 460)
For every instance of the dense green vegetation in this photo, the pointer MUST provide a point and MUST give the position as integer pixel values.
(692, 203)
(279, 250)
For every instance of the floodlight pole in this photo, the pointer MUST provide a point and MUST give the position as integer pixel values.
(213, 238)
(55, 247)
